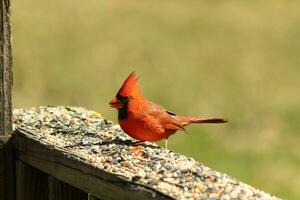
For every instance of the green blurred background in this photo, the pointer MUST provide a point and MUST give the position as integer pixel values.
(237, 59)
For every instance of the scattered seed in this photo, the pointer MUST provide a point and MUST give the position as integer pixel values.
(100, 143)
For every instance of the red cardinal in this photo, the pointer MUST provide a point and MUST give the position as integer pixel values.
(145, 120)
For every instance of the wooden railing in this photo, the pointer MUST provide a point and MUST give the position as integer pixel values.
(73, 153)
(46, 172)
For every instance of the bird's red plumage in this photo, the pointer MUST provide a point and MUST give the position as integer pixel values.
(130, 86)
(145, 120)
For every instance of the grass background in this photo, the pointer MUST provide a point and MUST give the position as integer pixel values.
(238, 59)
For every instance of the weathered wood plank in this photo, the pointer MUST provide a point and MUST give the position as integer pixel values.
(7, 176)
(64, 167)
(59, 190)
(5, 68)
(32, 184)
(20, 182)
(7, 166)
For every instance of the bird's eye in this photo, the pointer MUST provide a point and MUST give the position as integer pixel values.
(127, 99)
(124, 100)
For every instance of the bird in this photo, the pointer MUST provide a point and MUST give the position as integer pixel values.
(144, 120)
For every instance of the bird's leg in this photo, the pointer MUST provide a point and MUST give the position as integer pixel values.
(166, 143)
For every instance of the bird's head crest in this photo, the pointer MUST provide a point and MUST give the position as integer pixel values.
(130, 86)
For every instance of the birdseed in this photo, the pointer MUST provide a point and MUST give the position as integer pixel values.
(102, 144)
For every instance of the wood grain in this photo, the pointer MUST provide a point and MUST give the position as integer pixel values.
(58, 190)
(5, 68)
(7, 168)
(31, 183)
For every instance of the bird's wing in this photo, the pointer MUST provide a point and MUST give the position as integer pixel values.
(163, 118)
(151, 119)
(174, 126)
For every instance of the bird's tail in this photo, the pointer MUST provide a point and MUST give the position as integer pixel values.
(206, 120)
(189, 120)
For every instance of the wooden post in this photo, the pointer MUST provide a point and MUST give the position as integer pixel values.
(7, 163)
(5, 69)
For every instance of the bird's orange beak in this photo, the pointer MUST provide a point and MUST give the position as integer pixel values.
(115, 103)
